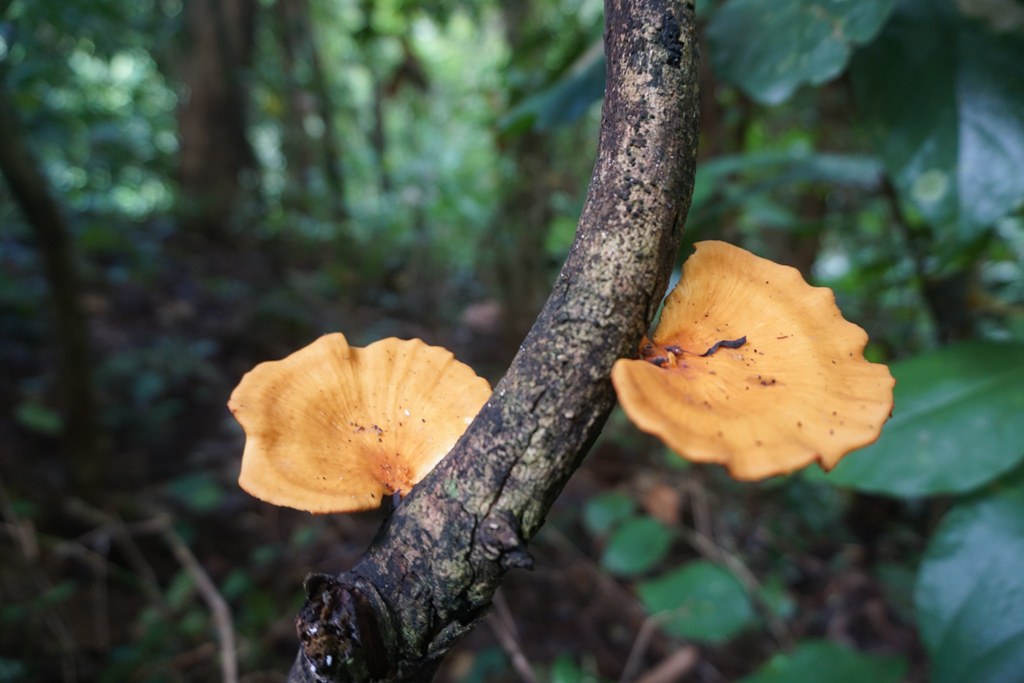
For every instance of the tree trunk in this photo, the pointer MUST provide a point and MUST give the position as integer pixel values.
(333, 169)
(378, 139)
(514, 253)
(215, 151)
(298, 148)
(308, 95)
(522, 228)
(435, 564)
(30, 189)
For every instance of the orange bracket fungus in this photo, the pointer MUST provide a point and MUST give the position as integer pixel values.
(753, 368)
(332, 428)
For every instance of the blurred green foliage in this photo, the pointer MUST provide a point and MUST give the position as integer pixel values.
(813, 659)
(699, 600)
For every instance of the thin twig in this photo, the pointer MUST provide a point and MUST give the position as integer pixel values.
(607, 586)
(107, 525)
(672, 668)
(100, 566)
(22, 530)
(755, 589)
(162, 524)
(699, 507)
(25, 535)
(504, 629)
(640, 644)
(214, 600)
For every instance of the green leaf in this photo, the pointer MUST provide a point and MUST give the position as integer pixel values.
(565, 101)
(956, 424)
(636, 546)
(770, 47)
(200, 491)
(704, 602)
(604, 511)
(564, 670)
(819, 660)
(774, 169)
(777, 598)
(970, 591)
(12, 670)
(487, 665)
(941, 97)
(38, 418)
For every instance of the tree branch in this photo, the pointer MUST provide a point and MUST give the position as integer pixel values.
(435, 564)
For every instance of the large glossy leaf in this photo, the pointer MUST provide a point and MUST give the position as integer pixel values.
(774, 170)
(814, 661)
(957, 424)
(970, 591)
(563, 102)
(771, 47)
(702, 601)
(941, 95)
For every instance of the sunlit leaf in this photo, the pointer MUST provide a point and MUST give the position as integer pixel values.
(702, 602)
(970, 591)
(771, 47)
(956, 425)
(815, 661)
(941, 96)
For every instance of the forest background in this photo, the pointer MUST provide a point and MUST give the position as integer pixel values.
(193, 187)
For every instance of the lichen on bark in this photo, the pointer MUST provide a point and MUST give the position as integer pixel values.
(431, 571)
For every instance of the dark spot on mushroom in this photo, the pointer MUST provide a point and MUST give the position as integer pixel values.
(726, 343)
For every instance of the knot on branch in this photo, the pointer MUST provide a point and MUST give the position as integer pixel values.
(500, 541)
(669, 37)
(340, 633)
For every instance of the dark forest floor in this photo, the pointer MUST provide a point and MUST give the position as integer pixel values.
(109, 584)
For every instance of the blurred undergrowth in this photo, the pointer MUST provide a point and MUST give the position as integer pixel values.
(415, 168)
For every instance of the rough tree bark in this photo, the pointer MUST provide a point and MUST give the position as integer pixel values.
(431, 571)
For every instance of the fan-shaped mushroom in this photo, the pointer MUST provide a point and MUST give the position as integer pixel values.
(753, 368)
(332, 428)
